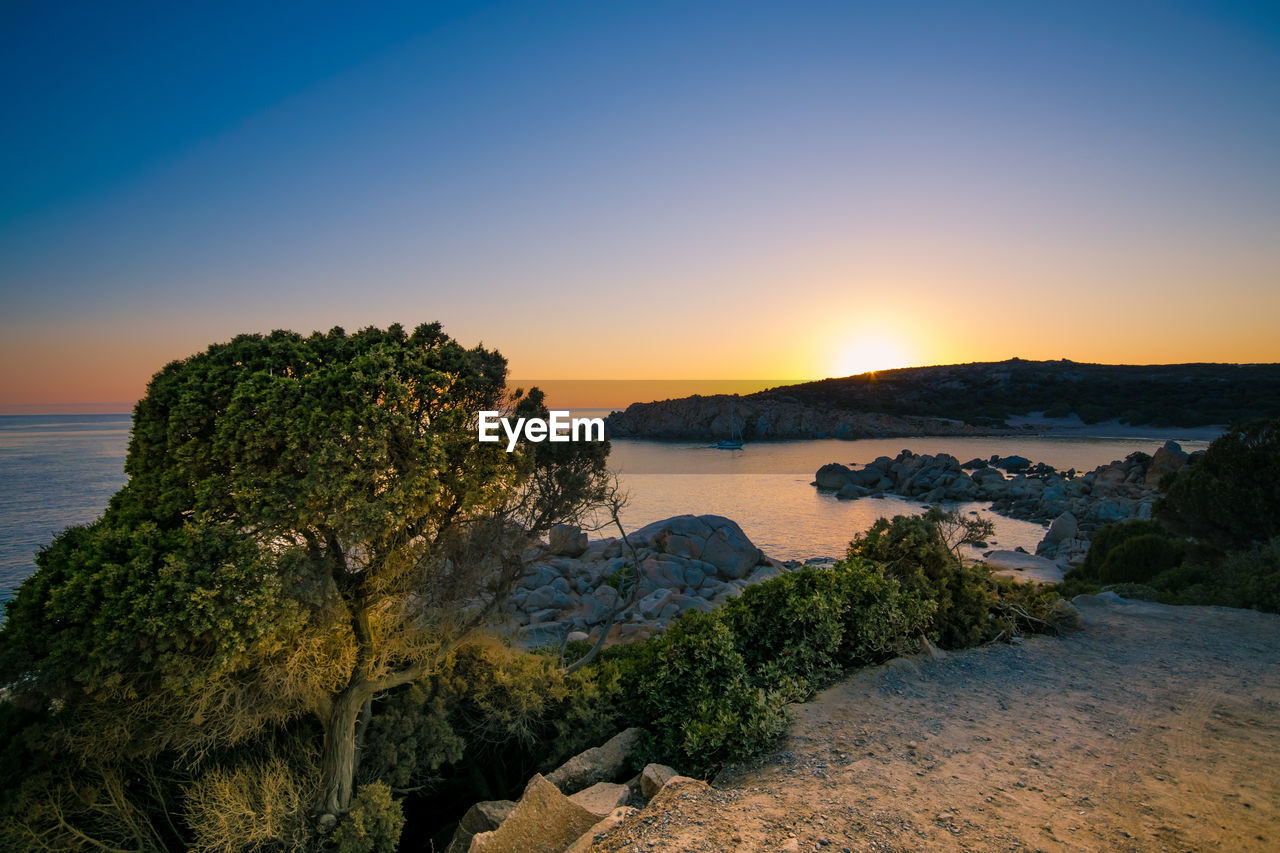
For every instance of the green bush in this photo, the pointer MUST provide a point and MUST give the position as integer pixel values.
(690, 687)
(912, 551)
(1231, 498)
(1138, 559)
(789, 630)
(1112, 536)
(374, 823)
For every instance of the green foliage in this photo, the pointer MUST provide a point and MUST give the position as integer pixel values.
(1230, 498)
(1138, 559)
(691, 687)
(305, 525)
(799, 631)
(374, 823)
(486, 708)
(1112, 536)
(913, 551)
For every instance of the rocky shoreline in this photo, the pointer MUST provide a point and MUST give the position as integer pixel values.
(1074, 505)
(689, 562)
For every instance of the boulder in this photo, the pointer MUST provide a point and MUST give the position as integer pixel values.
(1167, 460)
(617, 816)
(568, 540)
(482, 817)
(833, 476)
(850, 491)
(1012, 463)
(602, 797)
(1063, 528)
(653, 778)
(606, 763)
(544, 819)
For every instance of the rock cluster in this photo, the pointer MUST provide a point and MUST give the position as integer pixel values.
(1076, 504)
(565, 811)
(686, 562)
(765, 418)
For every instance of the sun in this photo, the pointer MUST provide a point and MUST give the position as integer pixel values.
(867, 353)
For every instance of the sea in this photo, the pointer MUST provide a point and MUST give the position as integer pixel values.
(60, 470)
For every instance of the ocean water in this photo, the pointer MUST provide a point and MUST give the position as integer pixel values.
(57, 471)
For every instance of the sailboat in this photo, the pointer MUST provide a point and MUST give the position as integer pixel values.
(734, 441)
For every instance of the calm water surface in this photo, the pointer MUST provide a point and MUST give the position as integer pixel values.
(60, 470)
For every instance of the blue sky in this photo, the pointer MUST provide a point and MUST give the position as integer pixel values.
(638, 189)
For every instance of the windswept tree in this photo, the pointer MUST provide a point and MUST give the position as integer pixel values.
(307, 523)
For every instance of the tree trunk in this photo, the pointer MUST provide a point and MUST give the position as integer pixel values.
(339, 759)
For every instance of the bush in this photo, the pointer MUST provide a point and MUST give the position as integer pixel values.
(1112, 536)
(1231, 497)
(689, 686)
(912, 551)
(374, 823)
(1138, 559)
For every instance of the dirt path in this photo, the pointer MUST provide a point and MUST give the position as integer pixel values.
(1154, 728)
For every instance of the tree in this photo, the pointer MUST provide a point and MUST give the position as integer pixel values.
(307, 523)
(1231, 497)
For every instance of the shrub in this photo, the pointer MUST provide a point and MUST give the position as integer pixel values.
(1138, 559)
(789, 630)
(1110, 537)
(1231, 497)
(912, 551)
(690, 687)
(260, 804)
(374, 823)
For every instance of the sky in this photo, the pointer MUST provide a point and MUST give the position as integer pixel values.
(637, 190)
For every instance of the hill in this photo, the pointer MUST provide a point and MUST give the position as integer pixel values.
(960, 398)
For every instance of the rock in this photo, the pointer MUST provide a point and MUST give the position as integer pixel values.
(653, 778)
(1167, 460)
(602, 797)
(975, 464)
(608, 762)
(1023, 566)
(850, 492)
(1063, 528)
(833, 476)
(1012, 463)
(578, 636)
(617, 816)
(544, 819)
(544, 634)
(764, 573)
(482, 817)
(568, 540)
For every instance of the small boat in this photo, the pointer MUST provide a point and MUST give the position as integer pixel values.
(734, 441)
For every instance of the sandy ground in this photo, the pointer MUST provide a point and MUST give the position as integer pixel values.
(1153, 728)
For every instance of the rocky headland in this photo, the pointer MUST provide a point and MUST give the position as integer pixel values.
(757, 418)
(988, 398)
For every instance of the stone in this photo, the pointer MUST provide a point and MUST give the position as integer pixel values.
(617, 816)
(568, 540)
(653, 778)
(833, 476)
(608, 762)
(1013, 463)
(602, 797)
(482, 817)
(850, 492)
(1167, 460)
(1063, 529)
(544, 819)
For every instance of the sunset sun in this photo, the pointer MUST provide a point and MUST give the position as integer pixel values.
(865, 353)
